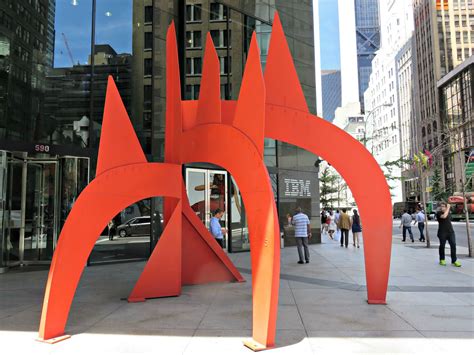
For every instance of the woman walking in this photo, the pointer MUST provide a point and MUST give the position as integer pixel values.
(356, 228)
(332, 224)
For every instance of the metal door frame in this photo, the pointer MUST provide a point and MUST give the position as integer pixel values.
(207, 197)
(24, 179)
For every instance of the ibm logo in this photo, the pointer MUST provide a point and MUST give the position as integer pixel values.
(297, 188)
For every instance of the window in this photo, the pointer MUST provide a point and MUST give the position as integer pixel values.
(147, 120)
(148, 40)
(218, 12)
(192, 92)
(193, 13)
(193, 39)
(194, 66)
(147, 66)
(226, 91)
(225, 65)
(219, 37)
(148, 14)
(147, 97)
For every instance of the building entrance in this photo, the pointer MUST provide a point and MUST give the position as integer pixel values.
(35, 197)
(207, 191)
(31, 213)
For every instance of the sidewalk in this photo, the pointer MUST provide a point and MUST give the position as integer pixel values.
(322, 310)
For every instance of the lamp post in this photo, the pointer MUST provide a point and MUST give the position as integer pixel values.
(367, 119)
(91, 87)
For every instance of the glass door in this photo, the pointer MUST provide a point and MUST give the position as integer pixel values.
(13, 209)
(40, 224)
(31, 214)
(207, 191)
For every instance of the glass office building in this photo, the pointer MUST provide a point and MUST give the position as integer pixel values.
(456, 95)
(368, 41)
(52, 93)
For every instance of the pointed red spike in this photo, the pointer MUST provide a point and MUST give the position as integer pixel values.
(173, 98)
(117, 129)
(250, 112)
(209, 106)
(281, 80)
(174, 124)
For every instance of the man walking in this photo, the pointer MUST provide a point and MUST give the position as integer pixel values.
(420, 219)
(446, 233)
(405, 222)
(302, 233)
(344, 225)
(215, 227)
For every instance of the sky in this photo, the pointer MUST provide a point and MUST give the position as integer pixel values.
(329, 33)
(114, 26)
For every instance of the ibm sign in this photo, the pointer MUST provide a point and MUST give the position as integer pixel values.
(297, 188)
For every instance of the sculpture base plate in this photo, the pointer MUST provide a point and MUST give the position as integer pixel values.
(254, 346)
(54, 340)
(376, 302)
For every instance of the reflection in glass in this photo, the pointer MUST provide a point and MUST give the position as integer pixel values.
(239, 228)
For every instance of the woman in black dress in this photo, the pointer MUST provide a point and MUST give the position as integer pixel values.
(356, 228)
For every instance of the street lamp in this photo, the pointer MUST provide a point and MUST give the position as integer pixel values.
(387, 104)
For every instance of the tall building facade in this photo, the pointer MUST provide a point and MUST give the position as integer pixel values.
(47, 155)
(26, 53)
(382, 97)
(359, 37)
(331, 93)
(444, 38)
(407, 94)
(456, 95)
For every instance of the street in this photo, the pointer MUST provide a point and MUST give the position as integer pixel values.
(459, 229)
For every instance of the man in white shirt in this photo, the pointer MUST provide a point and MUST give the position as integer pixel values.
(302, 232)
(406, 224)
(420, 219)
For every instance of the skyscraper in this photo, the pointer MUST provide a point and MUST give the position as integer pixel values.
(389, 90)
(359, 36)
(331, 89)
(444, 38)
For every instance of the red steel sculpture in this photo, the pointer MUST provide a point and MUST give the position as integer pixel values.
(270, 105)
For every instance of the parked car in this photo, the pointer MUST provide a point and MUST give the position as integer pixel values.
(135, 227)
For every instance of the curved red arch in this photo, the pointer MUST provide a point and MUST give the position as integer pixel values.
(254, 183)
(362, 174)
(116, 188)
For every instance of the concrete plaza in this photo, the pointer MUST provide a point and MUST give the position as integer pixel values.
(322, 309)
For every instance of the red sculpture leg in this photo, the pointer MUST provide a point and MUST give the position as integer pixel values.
(254, 183)
(100, 201)
(162, 274)
(287, 119)
(363, 176)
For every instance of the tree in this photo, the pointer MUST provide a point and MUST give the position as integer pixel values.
(327, 180)
(437, 191)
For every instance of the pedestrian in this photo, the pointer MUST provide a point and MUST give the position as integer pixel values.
(112, 229)
(420, 219)
(446, 233)
(356, 228)
(302, 233)
(331, 224)
(215, 227)
(344, 225)
(324, 225)
(336, 219)
(405, 222)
